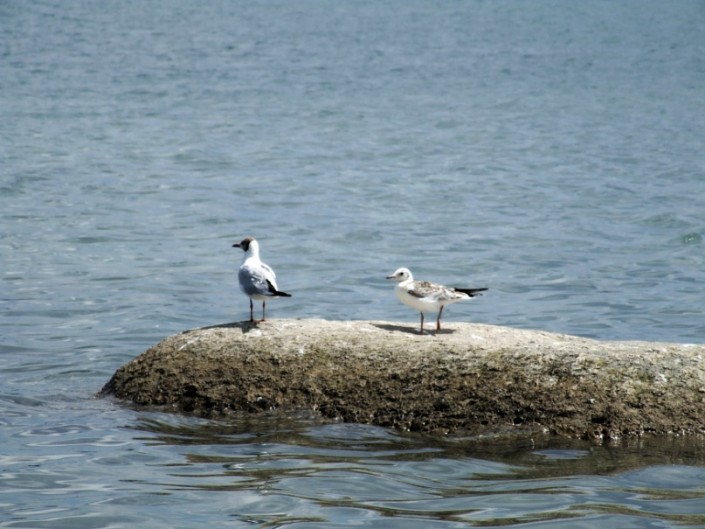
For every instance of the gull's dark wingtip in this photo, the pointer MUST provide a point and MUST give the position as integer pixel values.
(276, 292)
(472, 292)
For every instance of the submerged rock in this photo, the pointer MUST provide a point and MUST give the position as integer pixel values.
(469, 378)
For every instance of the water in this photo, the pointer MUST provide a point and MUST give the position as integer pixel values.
(551, 152)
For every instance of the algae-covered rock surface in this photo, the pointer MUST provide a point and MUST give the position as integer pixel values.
(468, 378)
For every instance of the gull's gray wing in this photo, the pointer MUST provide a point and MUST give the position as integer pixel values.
(257, 280)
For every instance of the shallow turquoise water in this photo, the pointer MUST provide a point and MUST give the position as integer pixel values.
(551, 153)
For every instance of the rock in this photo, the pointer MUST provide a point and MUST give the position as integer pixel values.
(467, 379)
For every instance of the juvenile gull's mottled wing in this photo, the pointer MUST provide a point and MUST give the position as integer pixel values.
(431, 291)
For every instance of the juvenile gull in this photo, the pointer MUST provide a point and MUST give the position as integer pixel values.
(424, 296)
(257, 279)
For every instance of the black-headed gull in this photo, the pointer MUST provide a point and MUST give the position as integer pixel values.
(257, 280)
(428, 297)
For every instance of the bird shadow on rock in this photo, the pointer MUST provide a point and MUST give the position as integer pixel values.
(410, 330)
(244, 326)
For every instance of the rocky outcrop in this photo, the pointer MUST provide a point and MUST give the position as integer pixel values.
(467, 379)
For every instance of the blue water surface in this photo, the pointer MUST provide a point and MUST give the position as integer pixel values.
(550, 151)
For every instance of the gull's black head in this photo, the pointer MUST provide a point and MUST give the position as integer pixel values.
(244, 243)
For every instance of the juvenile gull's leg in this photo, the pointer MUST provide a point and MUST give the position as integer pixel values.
(438, 320)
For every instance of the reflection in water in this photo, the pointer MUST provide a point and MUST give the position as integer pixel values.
(301, 470)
